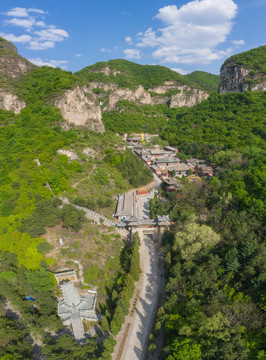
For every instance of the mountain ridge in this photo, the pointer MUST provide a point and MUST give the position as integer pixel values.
(83, 97)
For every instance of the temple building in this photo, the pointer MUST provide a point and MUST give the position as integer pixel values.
(125, 206)
(65, 275)
(73, 308)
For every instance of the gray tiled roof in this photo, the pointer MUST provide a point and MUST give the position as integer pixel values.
(77, 327)
(126, 204)
(170, 148)
(169, 160)
(75, 307)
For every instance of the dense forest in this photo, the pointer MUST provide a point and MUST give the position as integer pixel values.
(215, 266)
(208, 82)
(44, 83)
(221, 122)
(226, 121)
(215, 253)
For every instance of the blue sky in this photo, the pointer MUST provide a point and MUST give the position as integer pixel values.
(182, 35)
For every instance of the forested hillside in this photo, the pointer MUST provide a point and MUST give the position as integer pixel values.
(227, 121)
(206, 81)
(33, 176)
(254, 59)
(222, 121)
(42, 84)
(127, 74)
(215, 253)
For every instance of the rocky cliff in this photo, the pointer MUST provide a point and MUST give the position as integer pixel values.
(245, 71)
(12, 67)
(9, 101)
(80, 107)
(120, 79)
(168, 93)
(240, 79)
(188, 97)
(138, 96)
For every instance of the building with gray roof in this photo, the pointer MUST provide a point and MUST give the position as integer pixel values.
(125, 206)
(73, 308)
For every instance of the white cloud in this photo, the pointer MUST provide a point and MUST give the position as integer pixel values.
(148, 39)
(78, 55)
(25, 23)
(17, 39)
(40, 23)
(29, 19)
(52, 34)
(17, 12)
(128, 40)
(238, 42)
(105, 50)
(191, 33)
(180, 71)
(53, 63)
(132, 54)
(37, 45)
(37, 11)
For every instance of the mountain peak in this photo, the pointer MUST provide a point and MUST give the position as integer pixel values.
(7, 48)
(12, 65)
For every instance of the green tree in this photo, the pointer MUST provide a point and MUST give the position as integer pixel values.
(185, 350)
(194, 238)
(72, 217)
(134, 269)
(104, 324)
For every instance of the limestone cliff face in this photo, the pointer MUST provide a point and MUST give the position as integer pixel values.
(240, 79)
(14, 67)
(138, 96)
(166, 87)
(188, 97)
(10, 101)
(80, 107)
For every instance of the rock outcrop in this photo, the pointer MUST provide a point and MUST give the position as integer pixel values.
(240, 79)
(138, 96)
(166, 87)
(10, 101)
(188, 97)
(80, 107)
(244, 71)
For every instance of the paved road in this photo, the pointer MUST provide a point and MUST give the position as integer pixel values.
(139, 325)
(141, 322)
